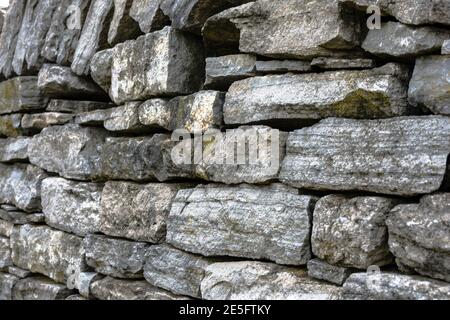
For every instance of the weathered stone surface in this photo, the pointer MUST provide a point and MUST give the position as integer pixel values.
(71, 106)
(282, 66)
(10, 125)
(93, 118)
(6, 228)
(419, 237)
(377, 93)
(39, 121)
(370, 155)
(351, 231)
(20, 185)
(14, 149)
(430, 86)
(321, 270)
(340, 63)
(115, 257)
(72, 151)
(72, 206)
(44, 250)
(124, 119)
(122, 27)
(175, 270)
(200, 111)
(116, 289)
(93, 36)
(252, 280)
(135, 211)
(5, 253)
(101, 65)
(221, 72)
(40, 288)
(239, 221)
(18, 272)
(446, 47)
(7, 283)
(149, 15)
(84, 281)
(173, 65)
(401, 41)
(76, 297)
(21, 94)
(20, 217)
(393, 286)
(60, 82)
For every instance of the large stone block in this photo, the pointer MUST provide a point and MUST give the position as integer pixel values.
(21, 94)
(40, 288)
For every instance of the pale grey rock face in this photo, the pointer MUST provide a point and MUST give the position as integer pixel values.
(84, 281)
(321, 270)
(345, 154)
(419, 237)
(137, 212)
(101, 65)
(21, 94)
(124, 119)
(38, 121)
(430, 86)
(282, 66)
(396, 40)
(393, 286)
(71, 206)
(72, 106)
(6, 228)
(173, 65)
(18, 272)
(93, 35)
(10, 125)
(72, 151)
(40, 288)
(341, 63)
(116, 289)
(175, 270)
(149, 15)
(44, 250)
(20, 185)
(351, 231)
(239, 221)
(253, 280)
(446, 47)
(60, 82)
(221, 72)
(122, 26)
(115, 257)
(93, 118)
(7, 283)
(377, 93)
(197, 112)
(14, 149)
(5, 253)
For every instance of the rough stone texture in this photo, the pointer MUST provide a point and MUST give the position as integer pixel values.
(124, 119)
(101, 65)
(116, 289)
(39, 121)
(7, 283)
(351, 231)
(200, 111)
(60, 82)
(20, 217)
(6, 228)
(10, 125)
(115, 257)
(252, 280)
(44, 250)
(173, 65)
(21, 94)
(122, 26)
(401, 41)
(392, 286)
(321, 270)
(93, 118)
(135, 211)
(446, 47)
(20, 185)
(18, 272)
(5, 253)
(84, 281)
(149, 15)
(175, 270)
(430, 86)
(71, 106)
(339, 63)
(282, 66)
(344, 154)
(14, 149)
(72, 206)
(377, 93)
(239, 221)
(419, 235)
(40, 288)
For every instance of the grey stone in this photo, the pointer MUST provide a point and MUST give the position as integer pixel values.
(93, 118)
(282, 66)
(101, 65)
(6, 228)
(84, 281)
(18, 272)
(14, 149)
(93, 35)
(376, 93)
(44, 250)
(39, 121)
(7, 283)
(253, 280)
(115, 257)
(370, 155)
(5, 253)
(76, 297)
(137, 212)
(393, 286)
(221, 72)
(175, 270)
(419, 237)
(60, 82)
(321, 270)
(20, 217)
(116, 289)
(40, 288)
(173, 64)
(197, 112)
(239, 221)
(71, 106)
(124, 119)
(72, 206)
(340, 63)
(149, 15)
(396, 40)
(429, 86)
(21, 94)
(122, 26)
(10, 125)
(446, 47)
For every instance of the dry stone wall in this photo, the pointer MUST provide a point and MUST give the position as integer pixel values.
(118, 182)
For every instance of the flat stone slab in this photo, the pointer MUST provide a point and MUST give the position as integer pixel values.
(21, 94)
(14, 149)
(40, 288)
(319, 269)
